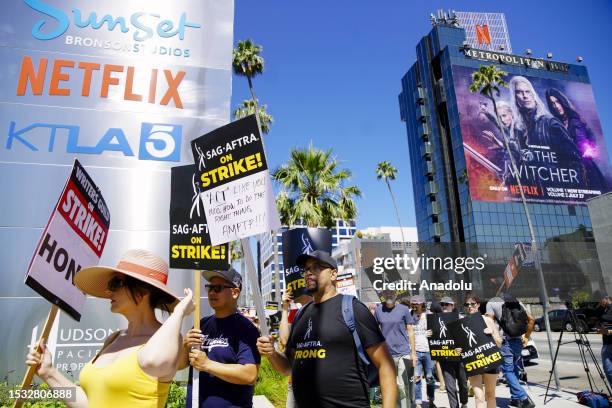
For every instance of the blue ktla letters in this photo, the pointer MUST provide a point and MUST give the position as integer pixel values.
(158, 141)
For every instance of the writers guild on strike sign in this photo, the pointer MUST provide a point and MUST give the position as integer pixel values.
(441, 343)
(73, 238)
(479, 352)
(190, 246)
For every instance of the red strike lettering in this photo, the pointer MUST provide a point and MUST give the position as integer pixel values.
(82, 219)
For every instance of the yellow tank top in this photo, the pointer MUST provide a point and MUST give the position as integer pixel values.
(122, 383)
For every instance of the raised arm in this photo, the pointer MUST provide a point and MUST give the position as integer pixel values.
(284, 327)
(49, 374)
(160, 355)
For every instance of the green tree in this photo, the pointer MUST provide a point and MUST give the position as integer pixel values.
(314, 189)
(385, 171)
(249, 107)
(247, 62)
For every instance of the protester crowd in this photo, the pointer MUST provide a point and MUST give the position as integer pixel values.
(334, 348)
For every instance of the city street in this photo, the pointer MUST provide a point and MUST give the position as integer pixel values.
(571, 371)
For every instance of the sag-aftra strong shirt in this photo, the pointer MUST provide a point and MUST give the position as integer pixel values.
(325, 368)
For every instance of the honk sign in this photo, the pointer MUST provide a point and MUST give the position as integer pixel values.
(74, 238)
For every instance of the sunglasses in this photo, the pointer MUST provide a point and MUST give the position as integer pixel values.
(413, 305)
(115, 283)
(314, 269)
(446, 304)
(216, 288)
(470, 304)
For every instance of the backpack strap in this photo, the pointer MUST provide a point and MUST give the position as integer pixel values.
(348, 315)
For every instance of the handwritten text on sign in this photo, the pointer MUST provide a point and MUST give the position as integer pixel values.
(239, 209)
(235, 181)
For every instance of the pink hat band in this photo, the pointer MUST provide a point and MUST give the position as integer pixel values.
(143, 270)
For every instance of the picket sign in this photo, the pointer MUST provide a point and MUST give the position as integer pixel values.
(27, 379)
(78, 227)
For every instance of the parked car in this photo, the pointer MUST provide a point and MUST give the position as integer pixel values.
(560, 319)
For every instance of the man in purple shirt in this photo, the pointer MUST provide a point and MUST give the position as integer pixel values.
(396, 322)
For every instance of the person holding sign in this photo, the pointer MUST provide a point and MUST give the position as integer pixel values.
(483, 384)
(134, 367)
(224, 350)
(322, 353)
(396, 324)
(424, 367)
(287, 317)
(453, 371)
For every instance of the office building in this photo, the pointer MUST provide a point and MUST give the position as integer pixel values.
(465, 188)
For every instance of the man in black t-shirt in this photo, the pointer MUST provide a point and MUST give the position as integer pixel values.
(321, 354)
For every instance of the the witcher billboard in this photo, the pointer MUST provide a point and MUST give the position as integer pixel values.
(553, 132)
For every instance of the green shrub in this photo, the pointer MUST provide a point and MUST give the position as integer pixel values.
(6, 401)
(177, 395)
(271, 384)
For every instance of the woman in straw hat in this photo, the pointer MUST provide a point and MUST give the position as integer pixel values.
(134, 367)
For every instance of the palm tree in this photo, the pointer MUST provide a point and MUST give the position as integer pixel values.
(249, 107)
(314, 189)
(247, 62)
(385, 171)
(488, 80)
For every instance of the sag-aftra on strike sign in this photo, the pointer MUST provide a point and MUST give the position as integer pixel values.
(73, 239)
(235, 181)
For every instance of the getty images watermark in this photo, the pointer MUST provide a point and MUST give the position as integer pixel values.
(412, 264)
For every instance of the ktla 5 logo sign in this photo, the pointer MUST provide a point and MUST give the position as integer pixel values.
(158, 141)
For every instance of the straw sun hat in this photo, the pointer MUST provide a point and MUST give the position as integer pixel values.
(137, 263)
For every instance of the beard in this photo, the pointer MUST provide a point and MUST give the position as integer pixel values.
(314, 289)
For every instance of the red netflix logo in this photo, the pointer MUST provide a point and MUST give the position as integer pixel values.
(482, 34)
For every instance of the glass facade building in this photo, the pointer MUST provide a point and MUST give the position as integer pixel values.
(454, 203)
(445, 211)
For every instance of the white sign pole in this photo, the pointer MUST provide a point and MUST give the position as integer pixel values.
(252, 276)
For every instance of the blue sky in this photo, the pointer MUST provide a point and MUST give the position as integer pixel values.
(333, 73)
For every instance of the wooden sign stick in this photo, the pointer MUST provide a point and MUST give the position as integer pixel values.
(27, 379)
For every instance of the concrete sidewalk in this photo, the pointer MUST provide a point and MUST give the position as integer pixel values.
(555, 399)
